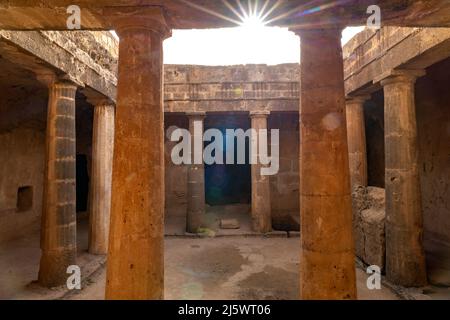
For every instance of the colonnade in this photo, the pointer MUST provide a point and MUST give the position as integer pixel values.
(331, 133)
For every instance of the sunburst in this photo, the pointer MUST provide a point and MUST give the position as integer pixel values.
(245, 13)
(257, 13)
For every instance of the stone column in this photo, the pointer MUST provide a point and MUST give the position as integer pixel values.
(58, 227)
(327, 265)
(356, 135)
(261, 208)
(405, 259)
(101, 175)
(135, 268)
(196, 174)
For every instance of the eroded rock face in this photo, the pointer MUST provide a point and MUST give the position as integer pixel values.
(369, 217)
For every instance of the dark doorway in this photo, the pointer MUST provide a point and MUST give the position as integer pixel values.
(228, 183)
(82, 183)
(374, 122)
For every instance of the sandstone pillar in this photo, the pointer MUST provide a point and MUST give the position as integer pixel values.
(356, 135)
(101, 174)
(135, 267)
(196, 175)
(58, 227)
(327, 266)
(261, 207)
(405, 259)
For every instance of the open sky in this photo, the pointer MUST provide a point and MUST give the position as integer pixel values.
(251, 43)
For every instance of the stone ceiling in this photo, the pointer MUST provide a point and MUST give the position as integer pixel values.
(189, 14)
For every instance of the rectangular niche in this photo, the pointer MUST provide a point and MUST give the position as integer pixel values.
(24, 198)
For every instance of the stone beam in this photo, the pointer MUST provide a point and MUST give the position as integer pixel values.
(224, 90)
(233, 88)
(278, 105)
(61, 52)
(367, 55)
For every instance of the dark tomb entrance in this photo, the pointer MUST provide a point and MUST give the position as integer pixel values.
(228, 183)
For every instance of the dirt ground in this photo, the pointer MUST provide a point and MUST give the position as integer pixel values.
(232, 267)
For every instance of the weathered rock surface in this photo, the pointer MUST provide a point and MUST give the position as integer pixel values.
(369, 224)
(229, 224)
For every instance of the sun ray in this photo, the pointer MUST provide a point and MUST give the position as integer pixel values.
(242, 9)
(253, 14)
(232, 9)
(264, 7)
(211, 12)
(269, 12)
(289, 13)
(253, 18)
(255, 8)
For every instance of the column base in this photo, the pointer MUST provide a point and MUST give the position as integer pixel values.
(53, 267)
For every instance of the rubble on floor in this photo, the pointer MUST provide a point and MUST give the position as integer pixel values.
(369, 217)
(229, 224)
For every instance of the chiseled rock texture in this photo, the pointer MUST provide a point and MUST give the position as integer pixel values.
(369, 224)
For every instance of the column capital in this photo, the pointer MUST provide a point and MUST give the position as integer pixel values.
(398, 76)
(305, 31)
(357, 99)
(47, 77)
(50, 78)
(259, 114)
(100, 101)
(200, 115)
(135, 18)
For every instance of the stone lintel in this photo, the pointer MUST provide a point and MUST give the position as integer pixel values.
(399, 75)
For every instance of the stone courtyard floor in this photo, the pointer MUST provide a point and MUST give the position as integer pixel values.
(231, 268)
(228, 267)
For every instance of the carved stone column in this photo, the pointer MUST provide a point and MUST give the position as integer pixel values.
(356, 133)
(135, 267)
(261, 207)
(327, 265)
(59, 223)
(102, 158)
(196, 174)
(405, 258)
